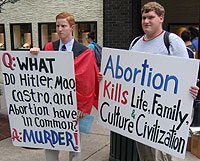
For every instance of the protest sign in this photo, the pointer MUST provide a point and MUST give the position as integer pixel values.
(40, 93)
(146, 97)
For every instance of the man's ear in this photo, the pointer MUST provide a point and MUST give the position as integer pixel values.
(73, 27)
(162, 18)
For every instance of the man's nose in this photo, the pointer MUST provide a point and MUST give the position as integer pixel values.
(59, 28)
(146, 20)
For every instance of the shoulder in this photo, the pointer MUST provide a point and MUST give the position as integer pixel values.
(173, 38)
(134, 41)
(78, 48)
(49, 46)
(177, 46)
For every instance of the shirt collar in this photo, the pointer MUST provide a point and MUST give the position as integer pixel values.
(69, 45)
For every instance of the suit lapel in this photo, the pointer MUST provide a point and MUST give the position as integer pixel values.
(77, 48)
(56, 45)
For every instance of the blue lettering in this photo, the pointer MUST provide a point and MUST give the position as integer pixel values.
(168, 78)
(70, 140)
(149, 77)
(130, 74)
(47, 137)
(157, 75)
(38, 137)
(109, 65)
(118, 68)
(145, 75)
(29, 136)
(144, 65)
(52, 137)
(61, 138)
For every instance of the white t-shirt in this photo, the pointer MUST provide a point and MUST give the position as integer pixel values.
(157, 46)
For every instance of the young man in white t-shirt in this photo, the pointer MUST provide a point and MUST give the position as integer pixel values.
(153, 41)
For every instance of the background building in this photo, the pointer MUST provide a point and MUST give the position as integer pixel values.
(122, 19)
(30, 23)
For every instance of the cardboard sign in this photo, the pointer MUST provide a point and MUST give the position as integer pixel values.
(40, 93)
(146, 97)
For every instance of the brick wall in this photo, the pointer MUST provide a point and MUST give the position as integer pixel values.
(121, 22)
(182, 11)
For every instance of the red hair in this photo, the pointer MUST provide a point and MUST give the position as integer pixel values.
(68, 16)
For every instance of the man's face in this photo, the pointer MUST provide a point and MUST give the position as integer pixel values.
(151, 23)
(63, 29)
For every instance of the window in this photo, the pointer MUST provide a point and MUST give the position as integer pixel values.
(21, 36)
(83, 28)
(2, 37)
(47, 32)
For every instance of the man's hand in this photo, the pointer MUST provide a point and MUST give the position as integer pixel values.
(100, 76)
(194, 91)
(81, 114)
(34, 51)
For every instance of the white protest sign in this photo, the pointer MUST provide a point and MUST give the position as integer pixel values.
(146, 97)
(40, 93)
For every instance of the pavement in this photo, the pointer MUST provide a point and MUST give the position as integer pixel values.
(95, 147)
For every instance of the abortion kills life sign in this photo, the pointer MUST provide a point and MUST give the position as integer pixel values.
(40, 93)
(146, 97)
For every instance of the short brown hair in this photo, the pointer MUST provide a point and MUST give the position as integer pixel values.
(153, 6)
(68, 16)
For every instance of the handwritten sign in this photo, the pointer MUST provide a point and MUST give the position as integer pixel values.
(41, 99)
(146, 97)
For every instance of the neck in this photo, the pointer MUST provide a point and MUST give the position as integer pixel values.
(148, 37)
(66, 40)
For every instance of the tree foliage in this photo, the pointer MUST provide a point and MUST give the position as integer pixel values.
(3, 2)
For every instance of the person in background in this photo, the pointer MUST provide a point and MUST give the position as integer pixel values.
(194, 36)
(180, 30)
(95, 47)
(186, 37)
(152, 41)
(86, 72)
(90, 40)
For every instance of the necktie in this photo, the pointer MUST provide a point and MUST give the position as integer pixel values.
(63, 48)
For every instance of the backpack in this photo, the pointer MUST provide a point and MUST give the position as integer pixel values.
(191, 53)
(166, 42)
(98, 54)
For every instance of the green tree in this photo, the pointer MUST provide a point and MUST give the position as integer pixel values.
(3, 2)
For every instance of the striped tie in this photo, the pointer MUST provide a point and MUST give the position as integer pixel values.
(63, 48)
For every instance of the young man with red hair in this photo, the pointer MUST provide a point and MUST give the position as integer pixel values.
(86, 72)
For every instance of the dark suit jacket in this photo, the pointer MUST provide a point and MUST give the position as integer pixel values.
(77, 47)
